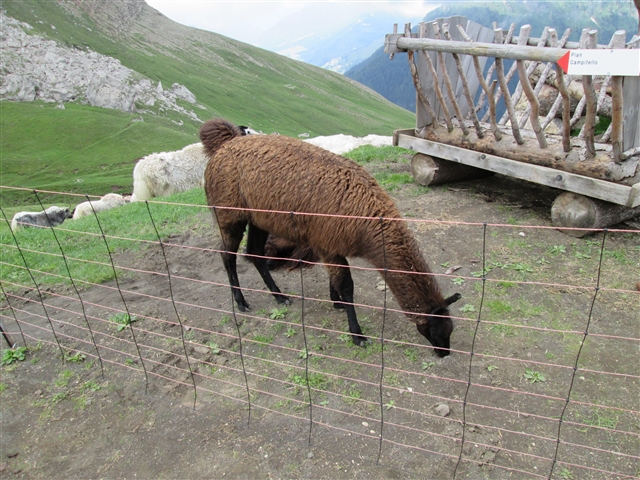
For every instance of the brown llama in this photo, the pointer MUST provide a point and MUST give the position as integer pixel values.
(273, 173)
(283, 253)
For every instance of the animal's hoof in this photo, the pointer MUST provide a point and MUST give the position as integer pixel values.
(282, 300)
(360, 341)
(244, 307)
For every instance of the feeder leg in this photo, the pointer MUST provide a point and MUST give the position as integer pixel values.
(571, 210)
(428, 170)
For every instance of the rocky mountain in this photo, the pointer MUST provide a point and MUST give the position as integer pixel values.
(124, 54)
(37, 68)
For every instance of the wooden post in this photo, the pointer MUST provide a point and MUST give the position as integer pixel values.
(588, 39)
(416, 83)
(489, 92)
(428, 170)
(436, 84)
(505, 93)
(617, 104)
(531, 97)
(447, 82)
(571, 210)
(566, 105)
(465, 85)
(553, 41)
(525, 30)
(492, 68)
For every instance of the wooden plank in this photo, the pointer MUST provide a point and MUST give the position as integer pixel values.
(513, 52)
(571, 182)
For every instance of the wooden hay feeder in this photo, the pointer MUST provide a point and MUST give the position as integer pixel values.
(447, 59)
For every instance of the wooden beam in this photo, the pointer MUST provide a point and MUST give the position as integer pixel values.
(572, 182)
(514, 52)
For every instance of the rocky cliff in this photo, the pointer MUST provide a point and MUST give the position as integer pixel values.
(32, 67)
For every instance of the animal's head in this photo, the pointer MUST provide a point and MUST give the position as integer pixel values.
(60, 212)
(247, 130)
(438, 326)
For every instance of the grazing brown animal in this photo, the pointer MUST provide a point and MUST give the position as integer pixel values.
(284, 253)
(264, 179)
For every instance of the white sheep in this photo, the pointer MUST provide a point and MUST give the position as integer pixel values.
(109, 201)
(165, 173)
(52, 216)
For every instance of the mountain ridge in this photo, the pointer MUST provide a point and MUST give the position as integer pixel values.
(229, 78)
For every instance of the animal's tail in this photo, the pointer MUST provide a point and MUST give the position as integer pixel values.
(214, 133)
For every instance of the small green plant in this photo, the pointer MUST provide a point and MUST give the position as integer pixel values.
(129, 362)
(63, 379)
(428, 365)
(601, 419)
(278, 313)
(77, 357)
(557, 249)
(10, 355)
(411, 353)
(316, 380)
(566, 474)
(345, 337)
(290, 332)
(445, 264)
(502, 329)
(122, 320)
(458, 281)
(481, 273)
(353, 395)
(263, 338)
(534, 376)
(467, 308)
(303, 354)
(213, 347)
(3, 387)
(224, 320)
(389, 405)
(522, 268)
(91, 385)
(491, 368)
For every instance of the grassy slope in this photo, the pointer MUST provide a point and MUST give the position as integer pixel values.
(79, 149)
(47, 148)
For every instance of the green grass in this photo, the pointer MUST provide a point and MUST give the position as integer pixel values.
(80, 149)
(369, 154)
(83, 241)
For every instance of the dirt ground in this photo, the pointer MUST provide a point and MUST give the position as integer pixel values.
(130, 413)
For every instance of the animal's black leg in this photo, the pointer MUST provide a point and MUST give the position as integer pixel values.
(232, 237)
(342, 284)
(256, 239)
(335, 297)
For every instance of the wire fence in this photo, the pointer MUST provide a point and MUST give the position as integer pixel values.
(542, 380)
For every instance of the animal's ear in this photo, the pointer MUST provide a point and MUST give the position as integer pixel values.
(452, 299)
(244, 129)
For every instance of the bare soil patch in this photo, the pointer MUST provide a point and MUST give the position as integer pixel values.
(138, 419)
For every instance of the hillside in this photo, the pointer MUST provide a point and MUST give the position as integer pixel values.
(392, 78)
(45, 147)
